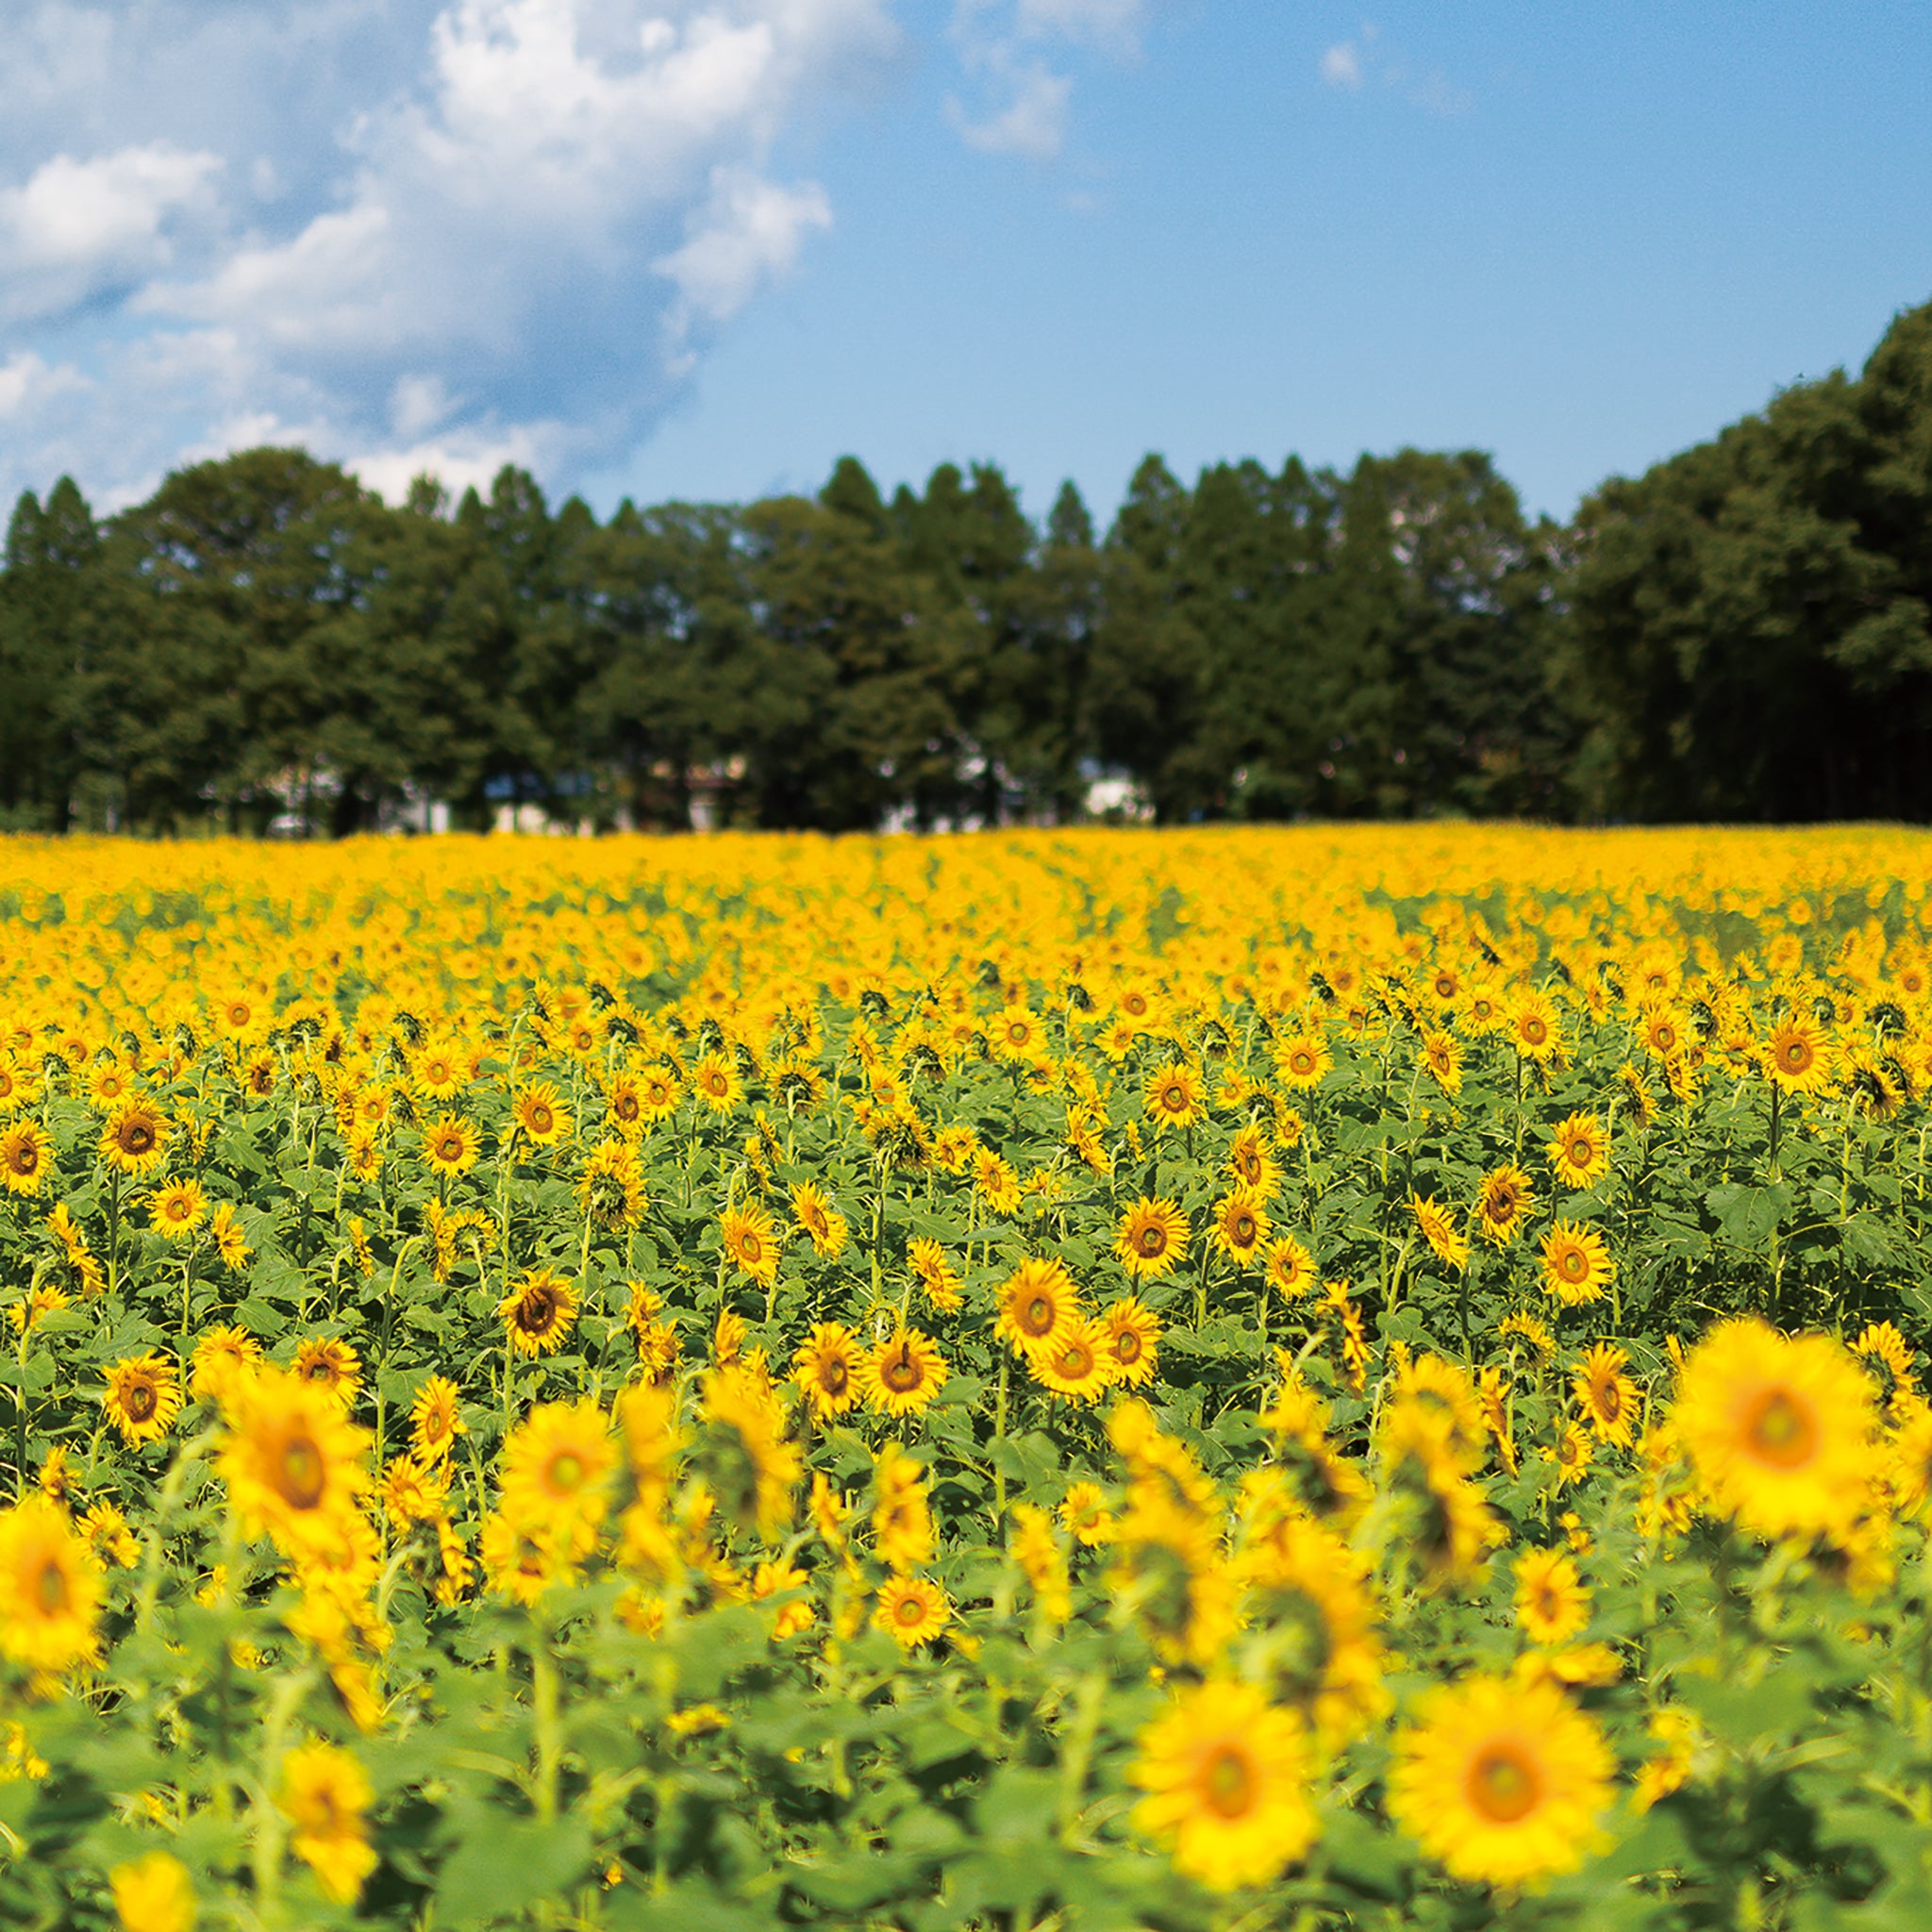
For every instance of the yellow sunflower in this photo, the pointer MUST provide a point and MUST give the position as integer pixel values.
(152, 1893)
(143, 1396)
(1250, 1162)
(49, 1589)
(540, 1115)
(221, 1358)
(1439, 1229)
(178, 1209)
(903, 1373)
(913, 1611)
(556, 1467)
(1779, 1428)
(1501, 1781)
(1227, 1776)
(940, 1286)
(1302, 1060)
(751, 1240)
(329, 1363)
(325, 1794)
(1579, 1150)
(1442, 1057)
(293, 1463)
(1576, 1263)
(1038, 1307)
(27, 1157)
(1176, 1096)
(1080, 1368)
(1552, 1604)
(135, 1141)
(1130, 1341)
(1534, 1027)
(450, 1145)
(1241, 1224)
(818, 1220)
(1502, 1201)
(436, 1419)
(538, 1312)
(825, 1368)
(1290, 1269)
(714, 1080)
(1606, 1395)
(1797, 1056)
(1152, 1239)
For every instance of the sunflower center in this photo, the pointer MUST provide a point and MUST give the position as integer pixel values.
(1609, 1401)
(910, 1611)
(140, 1402)
(1572, 1264)
(537, 1311)
(50, 1589)
(834, 1375)
(1227, 1783)
(1173, 1099)
(24, 1157)
(1127, 1346)
(542, 1119)
(1782, 1431)
(1242, 1230)
(626, 1106)
(1535, 1031)
(902, 1373)
(1504, 1784)
(1036, 1315)
(1076, 1363)
(566, 1472)
(137, 1137)
(1795, 1055)
(300, 1471)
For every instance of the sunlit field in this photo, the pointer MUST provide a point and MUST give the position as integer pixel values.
(1102, 1379)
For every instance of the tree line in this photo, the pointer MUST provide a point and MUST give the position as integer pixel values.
(1742, 632)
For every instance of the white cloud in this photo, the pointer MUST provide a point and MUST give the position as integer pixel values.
(76, 227)
(1342, 65)
(1032, 123)
(406, 231)
(1006, 43)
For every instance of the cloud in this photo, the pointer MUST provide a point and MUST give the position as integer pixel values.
(1342, 65)
(1032, 123)
(1012, 47)
(1348, 63)
(408, 233)
(77, 228)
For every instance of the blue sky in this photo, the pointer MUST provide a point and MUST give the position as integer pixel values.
(702, 249)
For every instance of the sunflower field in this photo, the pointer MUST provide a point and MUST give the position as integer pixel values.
(1099, 1379)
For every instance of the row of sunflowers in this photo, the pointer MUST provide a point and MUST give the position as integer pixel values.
(1055, 1380)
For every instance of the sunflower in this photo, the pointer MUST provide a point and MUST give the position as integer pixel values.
(1579, 1150)
(1290, 1269)
(1152, 1239)
(1576, 1263)
(231, 1241)
(1013, 1034)
(1302, 1060)
(439, 1069)
(178, 1209)
(450, 1145)
(1130, 1341)
(660, 1092)
(221, 1358)
(143, 1396)
(1086, 1516)
(611, 1187)
(537, 1311)
(912, 1609)
(1483, 1011)
(714, 1080)
(1241, 1224)
(325, 1794)
(521, 1559)
(1534, 1028)
(1251, 1163)
(740, 1454)
(1502, 1201)
(1552, 1604)
(18, 1088)
(49, 1589)
(1606, 1395)
(1175, 1096)
(539, 1114)
(152, 1893)
(1501, 1781)
(903, 1373)
(1778, 1429)
(557, 1468)
(752, 1242)
(826, 1367)
(330, 1364)
(1038, 1307)
(27, 1157)
(625, 1101)
(135, 1141)
(1438, 1224)
(934, 1273)
(436, 1419)
(1442, 1057)
(1080, 1368)
(293, 1463)
(1797, 1056)
(1227, 1776)
(1663, 1030)
(994, 1182)
(818, 1220)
